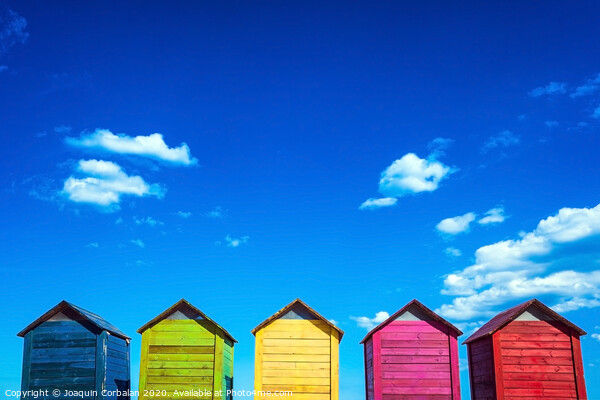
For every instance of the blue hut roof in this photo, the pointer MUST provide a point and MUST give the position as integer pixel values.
(95, 319)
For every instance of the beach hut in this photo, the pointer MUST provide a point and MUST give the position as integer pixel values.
(186, 354)
(412, 355)
(297, 350)
(71, 349)
(526, 352)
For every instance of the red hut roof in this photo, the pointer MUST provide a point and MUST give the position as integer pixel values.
(423, 308)
(502, 319)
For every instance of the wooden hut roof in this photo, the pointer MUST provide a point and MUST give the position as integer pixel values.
(288, 308)
(505, 317)
(183, 303)
(95, 319)
(423, 308)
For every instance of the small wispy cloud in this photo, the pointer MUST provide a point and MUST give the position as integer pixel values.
(236, 242)
(551, 124)
(494, 216)
(147, 221)
(104, 183)
(503, 139)
(138, 242)
(216, 213)
(370, 323)
(453, 252)
(183, 214)
(456, 225)
(589, 87)
(12, 30)
(151, 146)
(94, 245)
(438, 147)
(596, 113)
(596, 336)
(373, 204)
(63, 129)
(549, 89)
(119, 221)
(3, 68)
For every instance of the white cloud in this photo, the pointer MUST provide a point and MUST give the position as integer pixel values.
(493, 216)
(184, 214)
(411, 174)
(503, 139)
(151, 146)
(589, 87)
(596, 336)
(104, 183)
(453, 252)
(333, 321)
(549, 89)
(236, 242)
(531, 266)
(119, 221)
(372, 204)
(95, 245)
(596, 113)
(138, 243)
(370, 323)
(551, 124)
(147, 221)
(456, 225)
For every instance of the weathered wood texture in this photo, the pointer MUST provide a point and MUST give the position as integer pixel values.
(68, 356)
(412, 355)
(297, 351)
(527, 358)
(296, 356)
(189, 358)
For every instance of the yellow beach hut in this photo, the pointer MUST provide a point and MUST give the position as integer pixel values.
(297, 351)
(185, 355)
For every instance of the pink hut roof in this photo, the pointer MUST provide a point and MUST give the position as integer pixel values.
(502, 319)
(423, 308)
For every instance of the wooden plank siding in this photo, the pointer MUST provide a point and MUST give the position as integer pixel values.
(178, 354)
(531, 350)
(415, 361)
(62, 356)
(296, 355)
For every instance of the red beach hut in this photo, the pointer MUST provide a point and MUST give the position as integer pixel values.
(527, 352)
(412, 355)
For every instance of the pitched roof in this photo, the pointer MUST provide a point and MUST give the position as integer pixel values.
(423, 308)
(95, 319)
(505, 317)
(289, 307)
(182, 303)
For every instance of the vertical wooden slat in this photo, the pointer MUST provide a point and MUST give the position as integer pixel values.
(334, 364)
(366, 370)
(101, 353)
(578, 366)
(258, 364)
(454, 365)
(232, 374)
(499, 374)
(218, 366)
(377, 383)
(144, 363)
(471, 378)
(26, 362)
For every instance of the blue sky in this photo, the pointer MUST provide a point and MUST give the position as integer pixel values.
(354, 155)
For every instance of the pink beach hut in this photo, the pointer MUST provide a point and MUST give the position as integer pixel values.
(412, 355)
